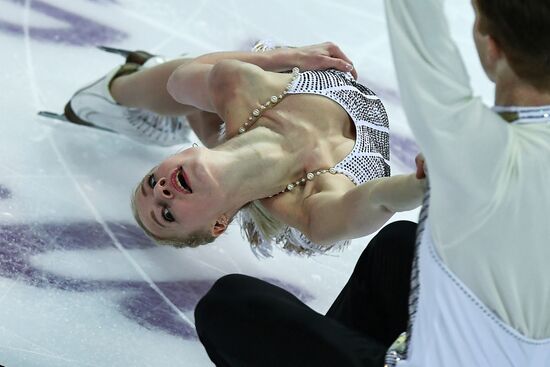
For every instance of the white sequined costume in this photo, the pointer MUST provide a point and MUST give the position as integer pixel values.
(369, 158)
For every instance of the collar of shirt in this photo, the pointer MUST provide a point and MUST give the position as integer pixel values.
(524, 115)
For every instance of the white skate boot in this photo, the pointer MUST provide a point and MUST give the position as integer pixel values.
(94, 106)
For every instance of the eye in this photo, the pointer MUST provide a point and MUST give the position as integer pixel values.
(152, 181)
(167, 216)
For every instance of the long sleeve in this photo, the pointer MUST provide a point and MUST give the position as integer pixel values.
(464, 142)
(490, 202)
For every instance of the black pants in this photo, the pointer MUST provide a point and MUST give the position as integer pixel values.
(243, 321)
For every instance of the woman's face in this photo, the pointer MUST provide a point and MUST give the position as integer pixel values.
(179, 196)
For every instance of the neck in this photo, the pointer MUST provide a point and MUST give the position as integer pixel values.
(512, 91)
(255, 165)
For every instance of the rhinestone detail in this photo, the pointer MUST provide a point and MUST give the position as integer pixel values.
(273, 100)
(310, 176)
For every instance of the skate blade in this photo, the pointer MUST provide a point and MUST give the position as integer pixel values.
(53, 115)
(62, 117)
(138, 57)
(132, 57)
(113, 50)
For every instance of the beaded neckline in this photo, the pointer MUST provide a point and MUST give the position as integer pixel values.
(273, 100)
(310, 176)
(258, 112)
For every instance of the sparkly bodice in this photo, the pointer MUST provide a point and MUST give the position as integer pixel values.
(370, 155)
(369, 158)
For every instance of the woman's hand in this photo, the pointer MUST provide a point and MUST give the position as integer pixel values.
(318, 57)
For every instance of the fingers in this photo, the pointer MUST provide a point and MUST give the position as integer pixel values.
(325, 56)
(420, 173)
(327, 62)
(354, 72)
(420, 166)
(335, 52)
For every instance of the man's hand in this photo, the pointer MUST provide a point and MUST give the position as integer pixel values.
(319, 57)
(421, 168)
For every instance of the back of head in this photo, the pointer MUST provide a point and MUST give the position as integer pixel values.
(522, 30)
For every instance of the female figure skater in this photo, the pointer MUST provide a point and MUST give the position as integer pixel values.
(307, 153)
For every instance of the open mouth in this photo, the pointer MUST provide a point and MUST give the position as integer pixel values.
(180, 182)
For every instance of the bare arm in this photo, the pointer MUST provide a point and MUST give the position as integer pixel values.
(228, 88)
(362, 210)
(315, 57)
(206, 126)
(193, 83)
(189, 85)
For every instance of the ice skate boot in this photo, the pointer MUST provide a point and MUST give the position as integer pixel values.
(94, 106)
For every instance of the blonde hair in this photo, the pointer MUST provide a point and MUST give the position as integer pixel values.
(266, 226)
(263, 230)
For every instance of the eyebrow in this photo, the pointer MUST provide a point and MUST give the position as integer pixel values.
(156, 220)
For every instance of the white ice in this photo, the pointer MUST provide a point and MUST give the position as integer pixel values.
(62, 302)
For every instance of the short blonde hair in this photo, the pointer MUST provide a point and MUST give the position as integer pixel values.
(266, 225)
(263, 230)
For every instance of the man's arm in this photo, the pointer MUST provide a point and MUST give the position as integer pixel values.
(361, 211)
(463, 141)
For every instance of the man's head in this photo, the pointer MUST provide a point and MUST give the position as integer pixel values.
(179, 201)
(518, 30)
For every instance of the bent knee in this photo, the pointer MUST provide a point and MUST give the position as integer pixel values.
(400, 235)
(223, 292)
(233, 291)
(396, 240)
(230, 298)
(230, 284)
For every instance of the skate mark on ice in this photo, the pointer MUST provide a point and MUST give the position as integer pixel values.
(135, 299)
(80, 31)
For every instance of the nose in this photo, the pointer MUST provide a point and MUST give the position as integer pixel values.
(162, 189)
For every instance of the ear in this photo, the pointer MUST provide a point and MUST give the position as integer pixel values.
(220, 226)
(494, 51)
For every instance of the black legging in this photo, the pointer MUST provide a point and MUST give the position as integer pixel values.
(243, 321)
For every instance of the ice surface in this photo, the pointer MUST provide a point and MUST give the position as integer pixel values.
(79, 284)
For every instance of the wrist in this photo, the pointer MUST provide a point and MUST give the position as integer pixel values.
(418, 187)
(282, 59)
